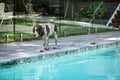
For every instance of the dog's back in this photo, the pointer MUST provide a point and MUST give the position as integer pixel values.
(51, 28)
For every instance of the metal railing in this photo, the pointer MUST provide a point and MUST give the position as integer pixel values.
(112, 17)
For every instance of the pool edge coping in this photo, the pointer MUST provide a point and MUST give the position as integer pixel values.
(35, 58)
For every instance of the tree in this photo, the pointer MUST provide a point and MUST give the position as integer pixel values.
(92, 7)
(73, 2)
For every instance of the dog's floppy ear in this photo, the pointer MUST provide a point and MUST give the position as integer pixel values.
(33, 29)
(40, 30)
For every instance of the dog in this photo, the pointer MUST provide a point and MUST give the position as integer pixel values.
(44, 31)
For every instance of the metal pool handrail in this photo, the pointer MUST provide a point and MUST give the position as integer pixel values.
(113, 15)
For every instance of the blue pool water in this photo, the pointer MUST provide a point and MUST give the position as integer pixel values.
(102, 64)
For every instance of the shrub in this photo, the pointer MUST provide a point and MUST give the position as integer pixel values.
(81, 13)
(85, 12)
(92, 7)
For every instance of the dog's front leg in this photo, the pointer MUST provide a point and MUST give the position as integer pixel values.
(43, 45)
(56, 36)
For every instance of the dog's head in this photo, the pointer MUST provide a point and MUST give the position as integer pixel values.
(38, 31)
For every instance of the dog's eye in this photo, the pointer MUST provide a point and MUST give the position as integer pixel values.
(37, 30)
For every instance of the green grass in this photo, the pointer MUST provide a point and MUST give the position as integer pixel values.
(64, 30)
(16, 37)
(70, 30)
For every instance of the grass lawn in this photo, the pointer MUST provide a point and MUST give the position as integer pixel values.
(13, 38)
(64, 30)
(69, 30)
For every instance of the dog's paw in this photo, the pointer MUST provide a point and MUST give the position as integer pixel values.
(54, 47)
(46, 48)
(41, 50)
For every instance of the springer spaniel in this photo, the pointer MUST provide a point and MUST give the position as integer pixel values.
(44, 31)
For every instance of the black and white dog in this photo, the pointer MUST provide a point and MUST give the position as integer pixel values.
(44, 31)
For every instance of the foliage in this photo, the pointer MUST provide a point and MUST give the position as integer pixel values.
(92, 7)
(7, 1)
(81, 13)
(17, 36)
(85, 12)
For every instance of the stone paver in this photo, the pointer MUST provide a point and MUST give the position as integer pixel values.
(17, 50)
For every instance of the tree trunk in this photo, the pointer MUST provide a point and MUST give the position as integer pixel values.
(72, 10)
(66, 10)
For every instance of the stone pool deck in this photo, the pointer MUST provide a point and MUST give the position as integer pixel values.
(20, 50)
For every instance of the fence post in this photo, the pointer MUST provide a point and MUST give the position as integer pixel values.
(64, 33)
(96, 29)
(89, 30)
(21, 37)
(7, 38)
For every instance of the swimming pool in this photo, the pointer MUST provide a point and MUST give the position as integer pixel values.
(100, 64)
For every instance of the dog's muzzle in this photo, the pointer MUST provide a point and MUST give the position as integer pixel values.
(34, 35)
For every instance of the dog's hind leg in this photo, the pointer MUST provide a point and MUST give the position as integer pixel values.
(56, 36)
(47, 43)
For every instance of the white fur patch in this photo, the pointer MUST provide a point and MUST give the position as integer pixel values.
(51, 27)
(36, 33)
